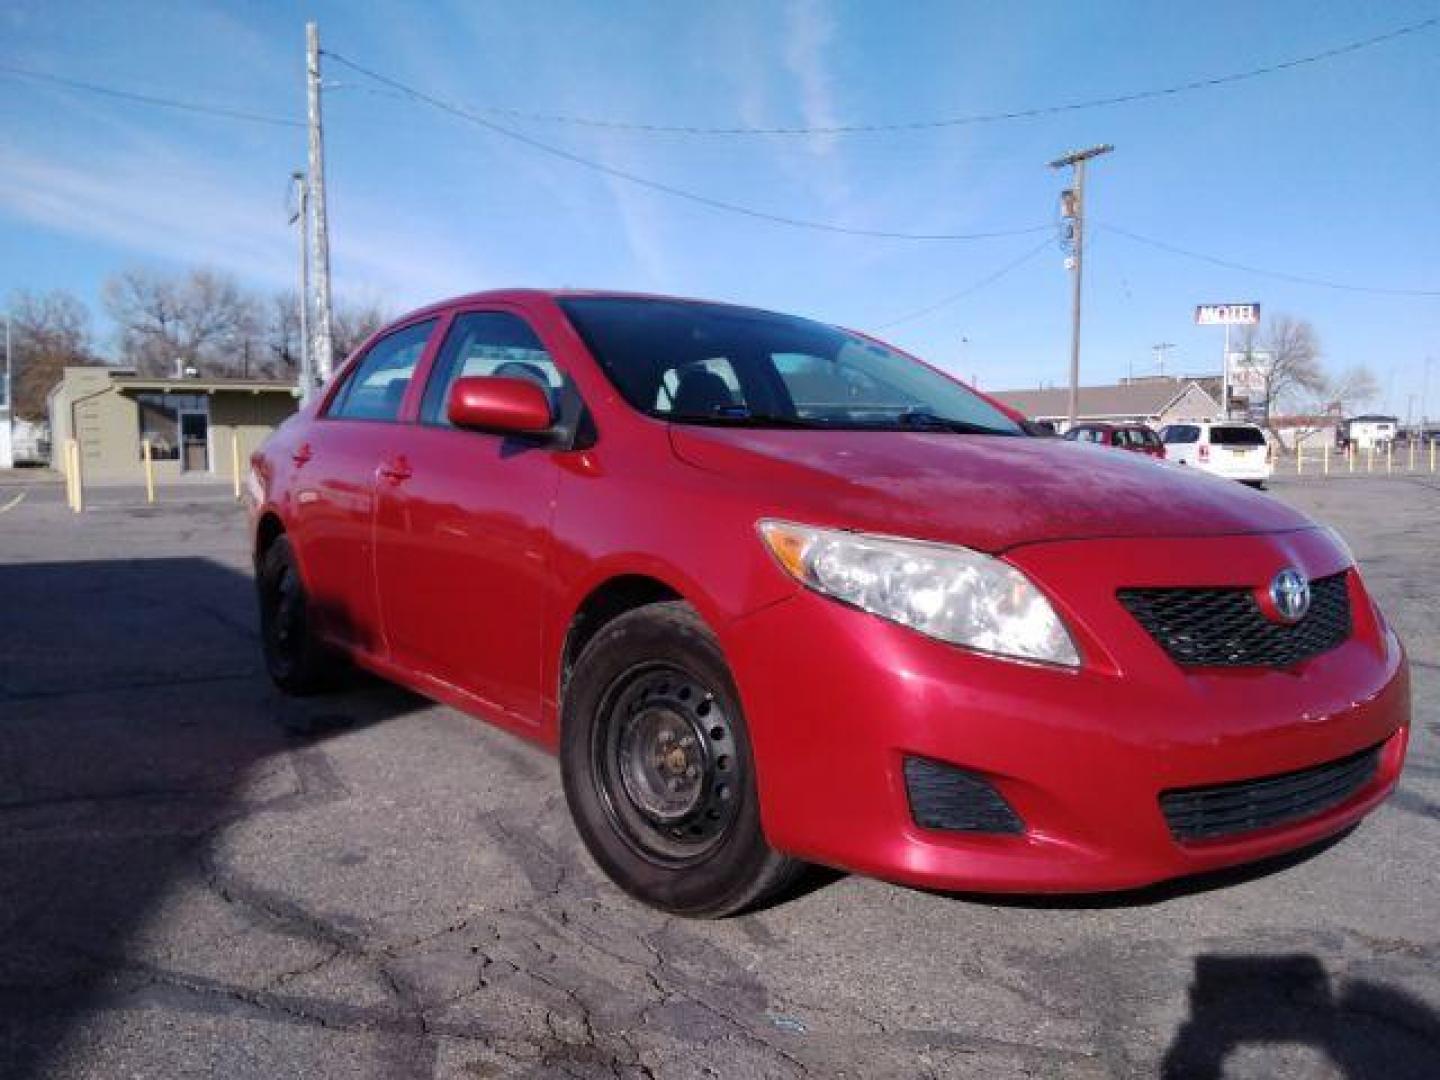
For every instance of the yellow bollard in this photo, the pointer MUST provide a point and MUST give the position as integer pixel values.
(1389, 456)
(77, 482)
(1350, 455)
(1411, 466)
(148, 458)
(1325, 459)
(1433, 443)
(69, 470)
(235, 462)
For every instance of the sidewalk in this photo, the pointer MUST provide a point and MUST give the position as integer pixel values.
(28, 476)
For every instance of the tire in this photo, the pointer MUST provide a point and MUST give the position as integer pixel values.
(295, 658)
(658, 770)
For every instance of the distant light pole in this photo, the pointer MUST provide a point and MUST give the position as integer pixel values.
(1161, 348)
(1424, 394)
(1074, 202)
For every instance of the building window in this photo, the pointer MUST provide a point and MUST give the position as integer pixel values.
(160, 421)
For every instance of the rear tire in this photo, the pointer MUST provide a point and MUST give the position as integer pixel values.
(658, 769)
(297, 661)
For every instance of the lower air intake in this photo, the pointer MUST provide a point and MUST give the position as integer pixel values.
(1208, 813)
(944, 797)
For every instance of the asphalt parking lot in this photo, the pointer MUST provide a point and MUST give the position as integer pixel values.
(198, 877)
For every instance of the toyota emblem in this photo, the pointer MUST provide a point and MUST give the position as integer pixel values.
(1290, 595)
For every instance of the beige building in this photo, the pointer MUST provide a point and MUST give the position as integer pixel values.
(1156, 401)
(195, 427)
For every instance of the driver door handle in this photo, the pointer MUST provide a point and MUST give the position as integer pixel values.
(302, 454)
(396, 470)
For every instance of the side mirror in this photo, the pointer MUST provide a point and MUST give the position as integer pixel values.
(492, 403)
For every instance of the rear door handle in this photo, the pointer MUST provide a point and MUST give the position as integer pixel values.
(396, 470)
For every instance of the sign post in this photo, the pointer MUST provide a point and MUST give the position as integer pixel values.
(1226, 315)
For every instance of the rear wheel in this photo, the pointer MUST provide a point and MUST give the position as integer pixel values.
(295, 658)
(658, 768)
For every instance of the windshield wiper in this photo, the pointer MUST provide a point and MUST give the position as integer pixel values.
(925, 420)
(740, 416)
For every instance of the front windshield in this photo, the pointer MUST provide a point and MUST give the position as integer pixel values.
(714, 364)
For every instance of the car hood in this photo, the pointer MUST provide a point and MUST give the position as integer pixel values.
(985, 492)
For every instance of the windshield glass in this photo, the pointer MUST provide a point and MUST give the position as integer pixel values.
(714, 364)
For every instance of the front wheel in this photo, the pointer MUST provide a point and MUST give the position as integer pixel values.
(297, 661)
(658, 768)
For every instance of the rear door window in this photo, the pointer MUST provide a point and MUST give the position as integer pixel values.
(376, 385)
(1182, 433)
(1237, 436)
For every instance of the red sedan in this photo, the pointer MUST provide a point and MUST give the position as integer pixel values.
(778, 593)
(1137, 438)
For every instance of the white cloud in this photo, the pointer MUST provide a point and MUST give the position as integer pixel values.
(161, 205)
(809, 32)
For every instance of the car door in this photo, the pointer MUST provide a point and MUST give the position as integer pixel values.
(462, 528)
(333, 489)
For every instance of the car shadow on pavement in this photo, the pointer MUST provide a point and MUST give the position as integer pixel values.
(1363, 1028)
(136, 723)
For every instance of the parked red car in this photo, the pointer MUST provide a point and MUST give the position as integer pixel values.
(1137, 438)
(777, 592)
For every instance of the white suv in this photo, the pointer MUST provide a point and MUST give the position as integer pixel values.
(1226, 448)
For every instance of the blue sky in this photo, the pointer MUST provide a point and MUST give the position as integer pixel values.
(1326, 171)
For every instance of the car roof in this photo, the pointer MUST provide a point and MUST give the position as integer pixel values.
(521, 295)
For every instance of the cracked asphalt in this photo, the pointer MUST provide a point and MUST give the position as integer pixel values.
(200, 878)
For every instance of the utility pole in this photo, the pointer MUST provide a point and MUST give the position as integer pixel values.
(1161, 348)
(301, 220)
(320, 227)
(9, 397)
(1075, 207)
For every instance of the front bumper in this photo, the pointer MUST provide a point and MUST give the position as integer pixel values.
(838, 699)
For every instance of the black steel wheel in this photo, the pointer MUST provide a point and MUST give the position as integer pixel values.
(297, 661)
(658, 769)
(664, 759)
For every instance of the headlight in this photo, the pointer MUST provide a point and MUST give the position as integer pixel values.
(951, 593)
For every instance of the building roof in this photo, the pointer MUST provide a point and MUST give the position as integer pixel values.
(204, 385)
(1142, 397)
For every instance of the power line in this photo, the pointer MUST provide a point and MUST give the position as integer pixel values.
(150, 99)
(1192, 85)
(1280, 275)
(655, 185)
(1205, 83)
(973, 287)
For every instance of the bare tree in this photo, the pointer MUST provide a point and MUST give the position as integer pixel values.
(282, 334)
(1286, 360)
(353, 322)
(202, 319)
(49, 332)
(1352, 388)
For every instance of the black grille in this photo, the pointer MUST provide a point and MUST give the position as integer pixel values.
(1210, 812)
(1226, 628)
(944, 797)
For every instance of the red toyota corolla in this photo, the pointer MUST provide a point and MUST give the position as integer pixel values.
(777, 592)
